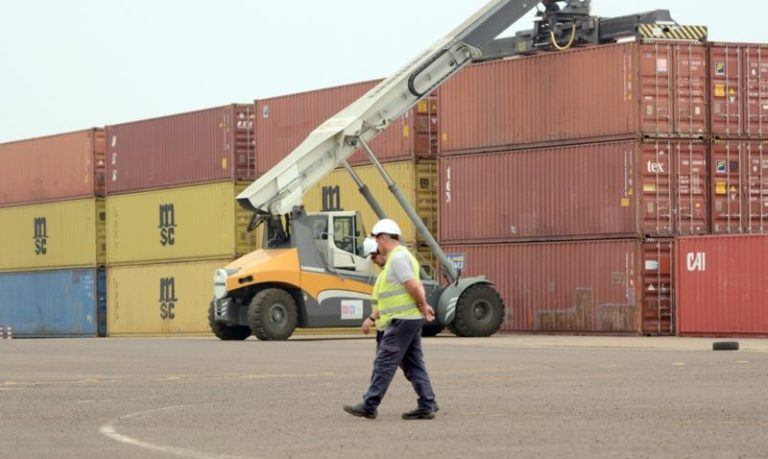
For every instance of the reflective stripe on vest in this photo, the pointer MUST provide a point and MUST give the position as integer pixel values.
(393, 299)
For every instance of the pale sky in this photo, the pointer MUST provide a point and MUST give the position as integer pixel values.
(67, 65)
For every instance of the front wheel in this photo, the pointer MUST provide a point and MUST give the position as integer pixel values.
(479, 312)
(227, 332)
(273, 315)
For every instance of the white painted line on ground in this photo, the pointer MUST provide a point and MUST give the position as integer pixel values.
(109, 430)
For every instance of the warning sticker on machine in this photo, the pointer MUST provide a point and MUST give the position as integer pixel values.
(719, 90)
(351, 310)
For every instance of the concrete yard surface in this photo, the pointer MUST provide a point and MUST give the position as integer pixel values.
(523, 396)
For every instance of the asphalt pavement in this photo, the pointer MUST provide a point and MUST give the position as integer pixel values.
(536, 396)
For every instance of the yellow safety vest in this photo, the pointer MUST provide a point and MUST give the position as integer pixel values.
(375, 301)
(393, 300)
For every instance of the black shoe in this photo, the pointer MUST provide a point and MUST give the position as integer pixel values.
(420, 413)
(360, 411)
(437, 408)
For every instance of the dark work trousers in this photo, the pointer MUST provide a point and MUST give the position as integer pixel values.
(400, 346)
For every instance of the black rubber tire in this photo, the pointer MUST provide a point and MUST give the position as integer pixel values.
(273, 315)
(725, 346)
(431, 329)
(227, 332)
(479, 311)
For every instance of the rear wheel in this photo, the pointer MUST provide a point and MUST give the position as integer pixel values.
(272, 315)
(479, 312)
(227, 332)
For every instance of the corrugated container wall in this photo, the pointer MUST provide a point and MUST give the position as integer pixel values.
(601, 286)
(65, 234)
(284, 122)
(739, 186)
(656, 89)
(195, 222)
(164, 299)
(209, 145)
(739, 90)
(52, 303)
(722, 285)
(53, 168)
(618, 189)
(417, 180)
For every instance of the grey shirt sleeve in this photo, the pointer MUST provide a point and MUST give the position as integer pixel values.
(400, 269)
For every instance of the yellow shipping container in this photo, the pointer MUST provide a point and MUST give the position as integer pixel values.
(65, 234)
(416, 179)
(161, 299)
(187, 223)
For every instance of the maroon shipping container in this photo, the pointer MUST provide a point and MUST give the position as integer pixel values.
(739, 186)
(739, 90)
(203, 146)
(601, 286)
(615, 189)
(284, 122)
(722, 285)
(656, 89)
(52, 168)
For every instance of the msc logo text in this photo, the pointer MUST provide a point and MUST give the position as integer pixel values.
(168, 298)
(41, 236)
(167, 225)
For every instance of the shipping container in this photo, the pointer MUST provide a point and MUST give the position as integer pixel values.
(53, 168)
(649, 89)
(209, 145)
(739, 90)
(284, 122)
(194, 222)
(722, 285)
(67, 303)
(599, 190)
(739, 186)
(65, 234)
(416, 179)
(612, 286)
(160, 299)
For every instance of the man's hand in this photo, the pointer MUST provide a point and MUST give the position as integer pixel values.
(367, 325)
(428, 312)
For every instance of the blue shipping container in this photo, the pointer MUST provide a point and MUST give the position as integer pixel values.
(52, 303)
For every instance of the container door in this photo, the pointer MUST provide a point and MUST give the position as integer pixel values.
(756, 97)
(726, 188)
(756, 181)
(690, 92)
(658, 305)
(691, 207)
(726, 76)
(656, 186)
(101, 302)
(656, 89)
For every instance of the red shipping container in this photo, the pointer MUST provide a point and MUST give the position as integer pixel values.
(656, 89)
(616, 189)
(601, 286)
(722, 285)
(739, 90)
(52, 168)
(739, 186)
(284, 122)
(209, 145)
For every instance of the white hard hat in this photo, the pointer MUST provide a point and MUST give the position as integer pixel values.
(370, 246)
(386, 226)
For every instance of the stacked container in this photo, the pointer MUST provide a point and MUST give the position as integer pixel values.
(52, 249)
(407, 149)
(581, 166)
(172, 215)
(739, 112)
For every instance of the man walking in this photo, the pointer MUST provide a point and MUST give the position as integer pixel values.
(402, 308)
